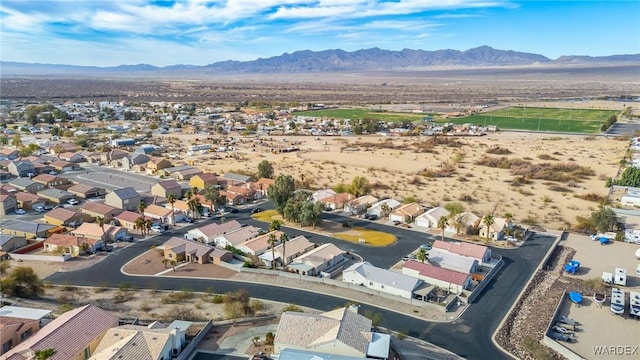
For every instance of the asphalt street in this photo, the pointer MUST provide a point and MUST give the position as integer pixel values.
(469, 336)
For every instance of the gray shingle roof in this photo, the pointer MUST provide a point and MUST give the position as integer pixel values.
(126, 193)
(25, 226)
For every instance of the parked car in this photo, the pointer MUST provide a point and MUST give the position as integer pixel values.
(157, 229)
(20, 211)
(233, 210)
(256, 210)
(53, 172)
(371, 216)
(48, 207)
(39, 209)
(396, 222)
(73, 202)
(188, 220)
(426, 246)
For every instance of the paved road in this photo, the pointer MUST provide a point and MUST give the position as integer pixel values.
(110, 179)
(469, 336)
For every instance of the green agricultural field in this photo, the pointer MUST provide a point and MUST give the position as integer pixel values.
(361, 114)
(542, 119)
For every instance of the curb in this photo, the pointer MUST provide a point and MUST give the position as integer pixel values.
(526, 286)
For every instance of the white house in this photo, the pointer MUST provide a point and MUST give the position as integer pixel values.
(322, 193)
(359, 205)
(455, 262)
(496, 230)
(376, 209)
(236, 237)
(431, 217)
(319, 261)
(208, 233)
(475, 251)
(383, 280)
(630, 200)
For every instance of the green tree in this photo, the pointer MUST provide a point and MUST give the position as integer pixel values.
(630, 177)
(141, 207)
(22, 282)
(386, 210)
(603, 219)
(16, 141)
(281, 191)
(140, 224)
(422, 255)
(488, 220)
(265, 170)
(173, 264)
(442, 224)
(283, 239)
(4, 140)
(272, 241)
(212, 195)
(194, 206)
(275, 225)
(359, 186)
(171, 199)
(454, 208)
(100, 222)
(45, 354)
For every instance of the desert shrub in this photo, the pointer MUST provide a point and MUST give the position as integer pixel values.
(269, 338)
(217, 299)
(403, 335)
(547, 157)
(559, 188)
(145, 307)
(257, 306)
(520, 180)
(416, 181)
(292, 307)
(497, 150)
(122, 296)
(591, 197)
(466, 198)
(177, 297)
(182, 312)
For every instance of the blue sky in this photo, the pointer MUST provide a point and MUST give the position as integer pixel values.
(114, 32)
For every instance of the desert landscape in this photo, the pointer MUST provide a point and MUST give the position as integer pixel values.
(542, 179)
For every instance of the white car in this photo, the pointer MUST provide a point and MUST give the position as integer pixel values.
(73, 202)
(20, 211)
(39, 209)
(157, 229)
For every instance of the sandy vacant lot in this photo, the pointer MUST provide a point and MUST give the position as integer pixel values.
(438, 171)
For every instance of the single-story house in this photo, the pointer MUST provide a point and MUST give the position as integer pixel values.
(18, 323)
(165, 215)
(178, 249)
(9, 243)
(231, 179)
(383, 280)
(56, 196)
(455, 262)
(127, 219)
(95, 209)
(234, 198)
(72, 245)
(65, 217)
(74, 157)
(64, 166)
(9, 154)
(378, 208)
(258, 245)
(496, 230)
(463, 223)
(449, 280)
(406, 213)
(236, 237)
(26, 185)
(29, 201)
(85, 191)
(337, 201)
(321, 194)
(208, 233)
(431, 217)
(475, 251)
(94, 231)
(261, 186)
(51, 181)
(291, 249)
(186, 174)
(319, 261)
(360, 205)
(27, 229)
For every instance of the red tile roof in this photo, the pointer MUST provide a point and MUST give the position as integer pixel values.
(461, 248)
(435, 272)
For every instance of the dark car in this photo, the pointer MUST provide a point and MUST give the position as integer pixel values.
(256, 210)
(233, 210)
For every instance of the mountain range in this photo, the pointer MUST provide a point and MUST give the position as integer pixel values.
(335, 60)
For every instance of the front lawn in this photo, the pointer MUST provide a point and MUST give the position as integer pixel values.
(371, 237)
(267, 216)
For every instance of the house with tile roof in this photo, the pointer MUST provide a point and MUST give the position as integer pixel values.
(74, 157)
(496, 230)
(65, 217)
(291, 249)
(29, 201)
(320, 261)
(475, 251)
(179, 249)
(341, 332)
(95, 209)
(17, 324)
(431, 217)
(26, 185)
(125, 198)
(406, 213)
(236, 237)
(360, 205)
(64, 166)
(208, 233)
(74, 334)
(260, 187)
(72, 245)
(463, 223)
(318, 195)
(151, 342)
(449, 280)
(337, 201)
(27, 229)
(94, 231)
(203, 180)
(260, 244)
(127, 219)
(166, 188)
(51, 181)
(383, 280)
(9, 154)
(86, 191)
(160, 213)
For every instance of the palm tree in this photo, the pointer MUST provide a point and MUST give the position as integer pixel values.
(141, 206)
(442, 224)
(147, 225)
(385, 210)
(283, 239)
(194, 206)
(422, 255)
(194, 190)
(489, 221)
(173, 264)
(140, 224)
(188, 194)
(272, 242)
(171, 199)
(44, 354)
(100, 222)
(164, 262)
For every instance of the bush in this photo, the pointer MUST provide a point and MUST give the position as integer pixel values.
(292, 307)
(217, 299)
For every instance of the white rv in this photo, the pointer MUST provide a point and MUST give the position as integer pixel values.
(617, 301)
(620, 277)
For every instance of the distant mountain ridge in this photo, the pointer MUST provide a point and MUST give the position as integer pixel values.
(335, 60)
